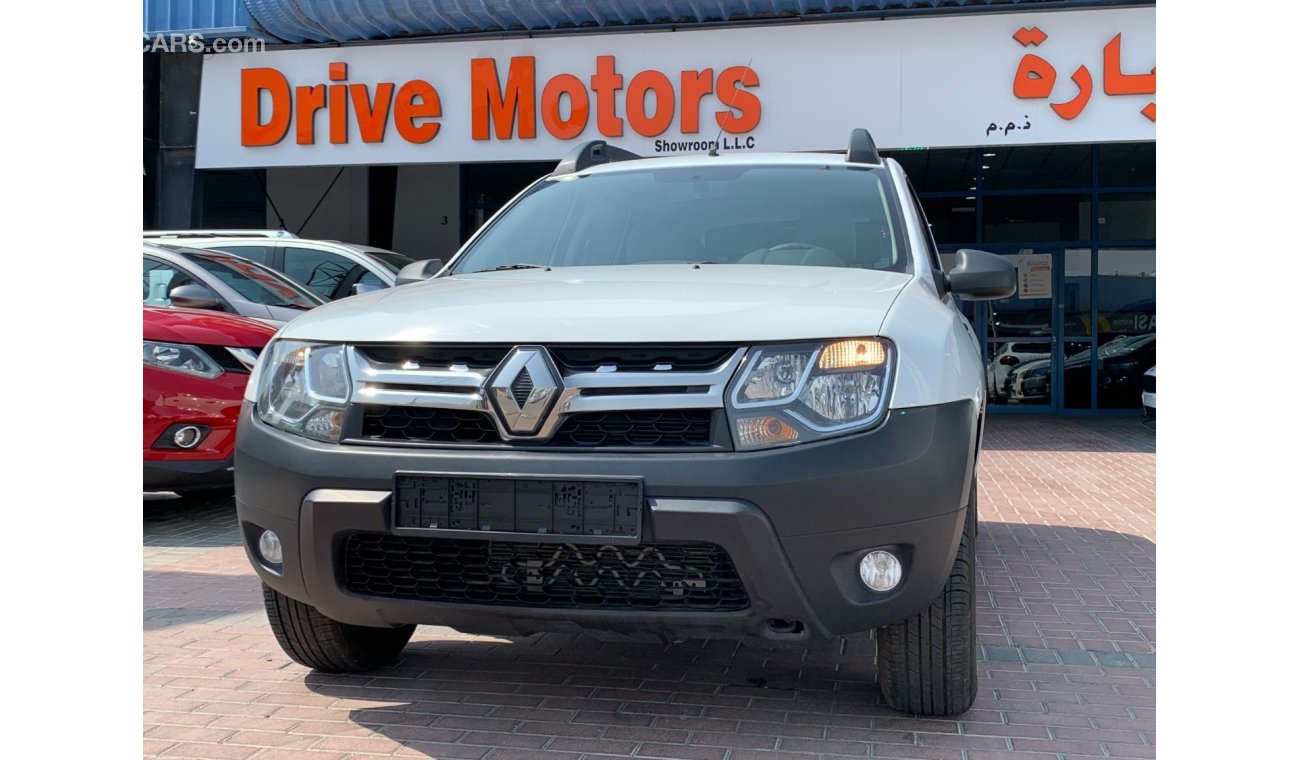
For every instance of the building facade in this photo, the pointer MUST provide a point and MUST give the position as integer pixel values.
(1027, 129)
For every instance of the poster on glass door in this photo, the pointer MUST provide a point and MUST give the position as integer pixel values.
(1034, 272)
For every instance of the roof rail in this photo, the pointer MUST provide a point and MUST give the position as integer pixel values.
(590, 154)
(862, 149)
(157, 234)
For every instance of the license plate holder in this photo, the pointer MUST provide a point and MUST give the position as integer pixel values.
(544, 509)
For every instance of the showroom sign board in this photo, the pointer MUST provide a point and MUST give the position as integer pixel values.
(1007, 78)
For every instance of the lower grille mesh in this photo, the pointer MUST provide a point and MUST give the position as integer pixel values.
(653, 576)
(674, 427)
(413, 423)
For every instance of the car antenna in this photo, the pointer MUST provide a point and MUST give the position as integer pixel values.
(713, 151)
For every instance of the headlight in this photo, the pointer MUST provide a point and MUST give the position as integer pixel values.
(181, 358)
(303, 388)
(797, 393)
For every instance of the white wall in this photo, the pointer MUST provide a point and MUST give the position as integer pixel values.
(426, 216)
(343, 215)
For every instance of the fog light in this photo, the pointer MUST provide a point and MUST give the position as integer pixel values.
(881, 571)
(187, 437)
(269, 547)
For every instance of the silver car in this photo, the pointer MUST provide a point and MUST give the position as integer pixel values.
(179, 276)
(329, 268)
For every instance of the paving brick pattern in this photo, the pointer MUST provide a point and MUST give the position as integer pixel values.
(1066, 556)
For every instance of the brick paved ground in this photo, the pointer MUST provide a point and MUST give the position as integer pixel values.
(1066, 627)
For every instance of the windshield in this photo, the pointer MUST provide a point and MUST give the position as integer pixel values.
(388, 259)
(826, 215)
(254, 282)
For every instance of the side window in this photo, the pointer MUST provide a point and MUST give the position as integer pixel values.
(159, 279)
(259, 253)
(928, 236)
(320, 271)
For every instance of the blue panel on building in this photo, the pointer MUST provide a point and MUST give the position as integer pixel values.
(215, 18)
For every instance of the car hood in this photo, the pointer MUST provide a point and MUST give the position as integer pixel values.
(615, 304)
(177, 325)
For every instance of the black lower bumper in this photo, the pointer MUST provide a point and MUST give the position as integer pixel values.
(795, 522)
(172, 476)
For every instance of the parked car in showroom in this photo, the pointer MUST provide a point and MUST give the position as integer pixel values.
(726, 396)
(1030, 383)
(196, 364)
(179, 276)
(1149, 392)
(1010, 355)
(1120, 365)
(329, 268)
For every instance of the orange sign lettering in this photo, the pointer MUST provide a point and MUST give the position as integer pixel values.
(253, 131)
(412, 108)
(499, 109)
(1035, 78)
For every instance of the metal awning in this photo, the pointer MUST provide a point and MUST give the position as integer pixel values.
(306, 21)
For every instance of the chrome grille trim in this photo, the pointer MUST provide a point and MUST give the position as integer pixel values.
(387, 384)
(245, 356)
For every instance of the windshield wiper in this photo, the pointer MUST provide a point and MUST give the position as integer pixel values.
(507, 267)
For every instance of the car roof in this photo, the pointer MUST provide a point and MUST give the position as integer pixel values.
(200, 234)
(738, 158)
(216, 242)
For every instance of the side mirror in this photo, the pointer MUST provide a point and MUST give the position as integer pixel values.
(418, 271)
(365, 287)
(981, 276)
(193, 296)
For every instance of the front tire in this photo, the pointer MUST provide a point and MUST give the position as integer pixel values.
(925, 665)
(324, 644)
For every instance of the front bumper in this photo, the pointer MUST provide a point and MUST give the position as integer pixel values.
(794, 521)
(172, 475)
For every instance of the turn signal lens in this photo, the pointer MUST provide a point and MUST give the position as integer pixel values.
(758, 432)
(852, 354)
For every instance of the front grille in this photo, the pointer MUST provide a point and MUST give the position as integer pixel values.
(522, 387)
(568, 576)
(1149, 383)
(633, 429)
(676, 427)
(642, 358)
(436, 356)
(423, 425)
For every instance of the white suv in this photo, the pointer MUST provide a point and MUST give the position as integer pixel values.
(710, 396)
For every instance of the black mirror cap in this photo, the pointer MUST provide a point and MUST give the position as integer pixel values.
(982, 276)
(193, 296)
(418, 271)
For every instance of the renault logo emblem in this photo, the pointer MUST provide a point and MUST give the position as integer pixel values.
(523, 390)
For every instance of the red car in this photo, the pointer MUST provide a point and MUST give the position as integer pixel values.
(196, 364)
